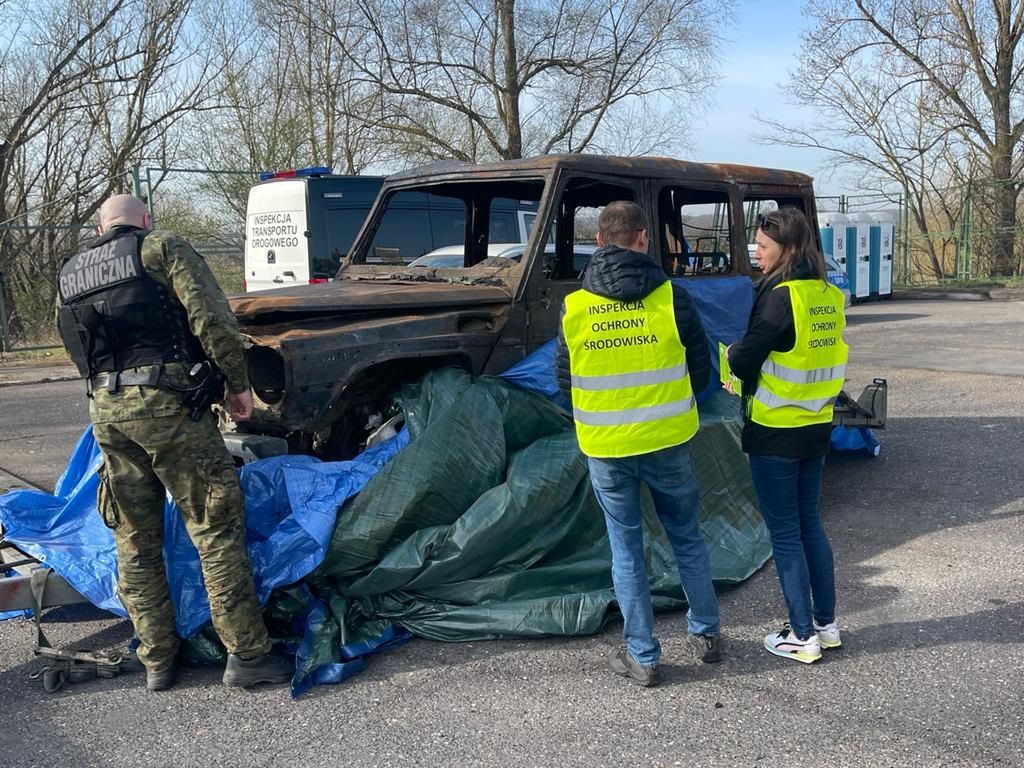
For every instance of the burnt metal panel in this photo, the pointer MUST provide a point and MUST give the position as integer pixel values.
(324, 356)
(352, 296)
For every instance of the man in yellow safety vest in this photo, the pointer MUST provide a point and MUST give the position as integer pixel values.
(632, 354)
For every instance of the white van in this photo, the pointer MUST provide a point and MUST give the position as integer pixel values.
(300, 224)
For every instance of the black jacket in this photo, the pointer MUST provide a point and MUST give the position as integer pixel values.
(771, 328)
(623, 275)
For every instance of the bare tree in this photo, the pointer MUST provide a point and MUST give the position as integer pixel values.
(287, 98)
(916, 89)
(485, 79)
(89, 90)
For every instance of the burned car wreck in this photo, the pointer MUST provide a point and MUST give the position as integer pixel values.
(326, 359)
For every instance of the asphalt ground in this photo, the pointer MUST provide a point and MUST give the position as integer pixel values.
(928, 546)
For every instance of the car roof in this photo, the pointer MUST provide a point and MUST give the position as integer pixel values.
(493, 249)
(506, 249)
(648, 167)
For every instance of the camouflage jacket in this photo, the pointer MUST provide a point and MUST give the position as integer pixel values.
(171, 261)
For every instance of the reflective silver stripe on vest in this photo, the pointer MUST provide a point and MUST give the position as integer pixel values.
(774, 401)
(632, 415)
(622, 380)
(797, 376)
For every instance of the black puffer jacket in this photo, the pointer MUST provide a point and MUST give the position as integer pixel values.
(626, 275)
(771, 328)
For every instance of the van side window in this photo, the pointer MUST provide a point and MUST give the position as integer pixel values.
(340, 227)
(510, 220)
(448, 223)
(695, 231)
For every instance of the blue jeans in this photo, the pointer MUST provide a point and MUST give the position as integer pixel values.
(788, 490)
(669, 475)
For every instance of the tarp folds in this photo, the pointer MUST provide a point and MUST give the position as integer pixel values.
(855, 440)
(64, 530)
(477, 521)
(494, 531)
(486, 526)
(291, 504)
(291, 507)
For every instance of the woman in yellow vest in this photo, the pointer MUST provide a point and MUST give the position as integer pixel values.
(792, 362)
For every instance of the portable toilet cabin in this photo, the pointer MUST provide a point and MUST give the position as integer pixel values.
(832, 227)
(858, 256)
(881, 257)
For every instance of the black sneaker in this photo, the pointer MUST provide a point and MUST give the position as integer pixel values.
(709, 647)
(161, 680)
(268, 668)
(622, 663)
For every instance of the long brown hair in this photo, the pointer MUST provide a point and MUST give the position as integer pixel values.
(789, 228)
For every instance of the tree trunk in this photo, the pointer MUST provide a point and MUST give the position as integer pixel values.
(512, 88)
(1001, 157)
(1004, 261)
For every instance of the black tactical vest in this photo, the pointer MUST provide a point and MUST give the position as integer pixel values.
(113, 316)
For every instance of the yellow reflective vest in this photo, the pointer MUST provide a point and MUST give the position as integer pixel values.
(631, 392)
(799, 387)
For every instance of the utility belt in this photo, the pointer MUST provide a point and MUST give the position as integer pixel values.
(206, 389)
(112, 381)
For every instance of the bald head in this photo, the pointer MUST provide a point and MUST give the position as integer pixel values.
(123, 210)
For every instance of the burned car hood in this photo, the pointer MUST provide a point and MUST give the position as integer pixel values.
(361, 297)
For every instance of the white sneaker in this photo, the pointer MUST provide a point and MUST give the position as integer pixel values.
(789, 646)
(828, 635)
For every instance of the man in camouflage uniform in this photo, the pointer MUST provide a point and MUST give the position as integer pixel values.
(139, 310)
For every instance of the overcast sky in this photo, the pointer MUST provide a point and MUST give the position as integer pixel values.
(756, 63)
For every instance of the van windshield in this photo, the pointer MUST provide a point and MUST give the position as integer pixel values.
(415, 231)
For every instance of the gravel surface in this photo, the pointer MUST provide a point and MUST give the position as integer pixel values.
(930, 572)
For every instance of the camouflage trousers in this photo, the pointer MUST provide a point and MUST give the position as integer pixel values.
(141, 458)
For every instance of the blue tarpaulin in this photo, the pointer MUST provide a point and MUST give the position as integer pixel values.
(855, 440)
(292, 504)
(64, 531)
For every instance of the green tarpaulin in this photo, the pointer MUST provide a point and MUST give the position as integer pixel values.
(485, 526)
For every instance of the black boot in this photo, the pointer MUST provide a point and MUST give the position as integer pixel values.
(161, 680)
(268, 668)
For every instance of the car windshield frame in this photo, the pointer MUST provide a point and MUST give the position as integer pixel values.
(458, 187)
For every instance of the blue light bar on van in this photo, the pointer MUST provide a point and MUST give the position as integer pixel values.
(313, 170)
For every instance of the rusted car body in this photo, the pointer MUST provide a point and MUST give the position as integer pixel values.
(325, 358)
